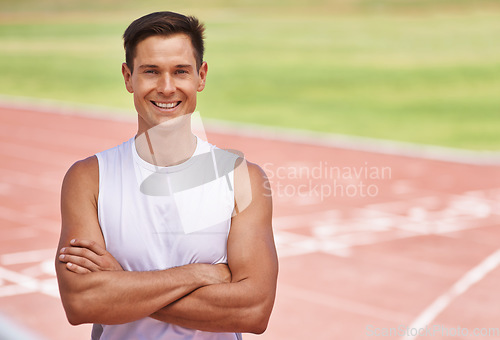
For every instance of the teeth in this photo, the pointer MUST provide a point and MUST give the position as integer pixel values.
(165, 105)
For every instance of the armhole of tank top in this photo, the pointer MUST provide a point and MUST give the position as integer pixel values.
(232, 181)
(230, 175)
(100, 167)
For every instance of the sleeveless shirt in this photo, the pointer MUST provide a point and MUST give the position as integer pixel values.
(155, 218)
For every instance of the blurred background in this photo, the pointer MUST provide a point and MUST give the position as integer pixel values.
(327, 82)
(423, 71)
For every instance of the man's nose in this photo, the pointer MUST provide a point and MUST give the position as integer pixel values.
(166, 84)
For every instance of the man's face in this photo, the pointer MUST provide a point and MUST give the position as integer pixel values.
(165, 80)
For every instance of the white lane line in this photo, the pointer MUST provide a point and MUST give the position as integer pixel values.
(60, 107)
(13, 290)
(24, 284)
(470, 278)
(292, 244)
(27, 256)
(355, 143)
(19, 279)
(50, 287)
(343, 304)
(307, 219)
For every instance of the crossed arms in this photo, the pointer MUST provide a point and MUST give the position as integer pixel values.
(237, 297)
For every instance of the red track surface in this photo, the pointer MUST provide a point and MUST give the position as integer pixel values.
(348, 264)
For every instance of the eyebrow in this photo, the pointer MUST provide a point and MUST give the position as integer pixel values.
(156, 66)
(148, 66)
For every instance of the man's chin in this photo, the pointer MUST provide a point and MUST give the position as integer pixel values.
(167, 123)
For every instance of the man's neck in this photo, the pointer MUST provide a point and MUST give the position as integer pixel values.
(167, 144)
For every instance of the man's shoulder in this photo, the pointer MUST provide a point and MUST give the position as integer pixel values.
(251, 185)
(252, 171)
(83, 169)
(82, 178)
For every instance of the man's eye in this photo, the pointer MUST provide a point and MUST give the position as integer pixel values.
(181, 71)
(150, 71)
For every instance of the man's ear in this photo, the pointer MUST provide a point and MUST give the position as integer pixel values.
(127, 75)
(203, 76)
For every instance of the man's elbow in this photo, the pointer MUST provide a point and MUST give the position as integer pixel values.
(78, 297)
(78, 309)
(257, 324)
(75, 313)
(79, 304)
(74, 319)
(258, 327)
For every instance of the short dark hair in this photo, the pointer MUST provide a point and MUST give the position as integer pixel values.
(163, 23)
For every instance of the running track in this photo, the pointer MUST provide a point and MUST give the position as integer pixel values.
(419, 247)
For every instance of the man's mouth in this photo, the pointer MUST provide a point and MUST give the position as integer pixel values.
(170, 105)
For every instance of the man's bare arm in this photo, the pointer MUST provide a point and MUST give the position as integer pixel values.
(113, 297)
(245, 304)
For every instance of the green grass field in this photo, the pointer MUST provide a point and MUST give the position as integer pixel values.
(415, 70)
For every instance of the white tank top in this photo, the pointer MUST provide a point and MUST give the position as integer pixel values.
(155, 218)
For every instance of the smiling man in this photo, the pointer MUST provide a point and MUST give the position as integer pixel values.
(194, 260)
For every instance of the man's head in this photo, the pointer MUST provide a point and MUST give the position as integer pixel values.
(163, 24)
(164, 67)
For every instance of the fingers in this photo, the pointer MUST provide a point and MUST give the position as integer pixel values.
(224, 273)
(78, 264)
(91, 245)
(76, 268)
(81, 257)
(89, 255)
(83, 253)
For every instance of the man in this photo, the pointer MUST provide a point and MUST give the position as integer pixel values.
(158, 239)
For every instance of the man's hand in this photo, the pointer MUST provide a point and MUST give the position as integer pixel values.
(221, 273)
(87, 256)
